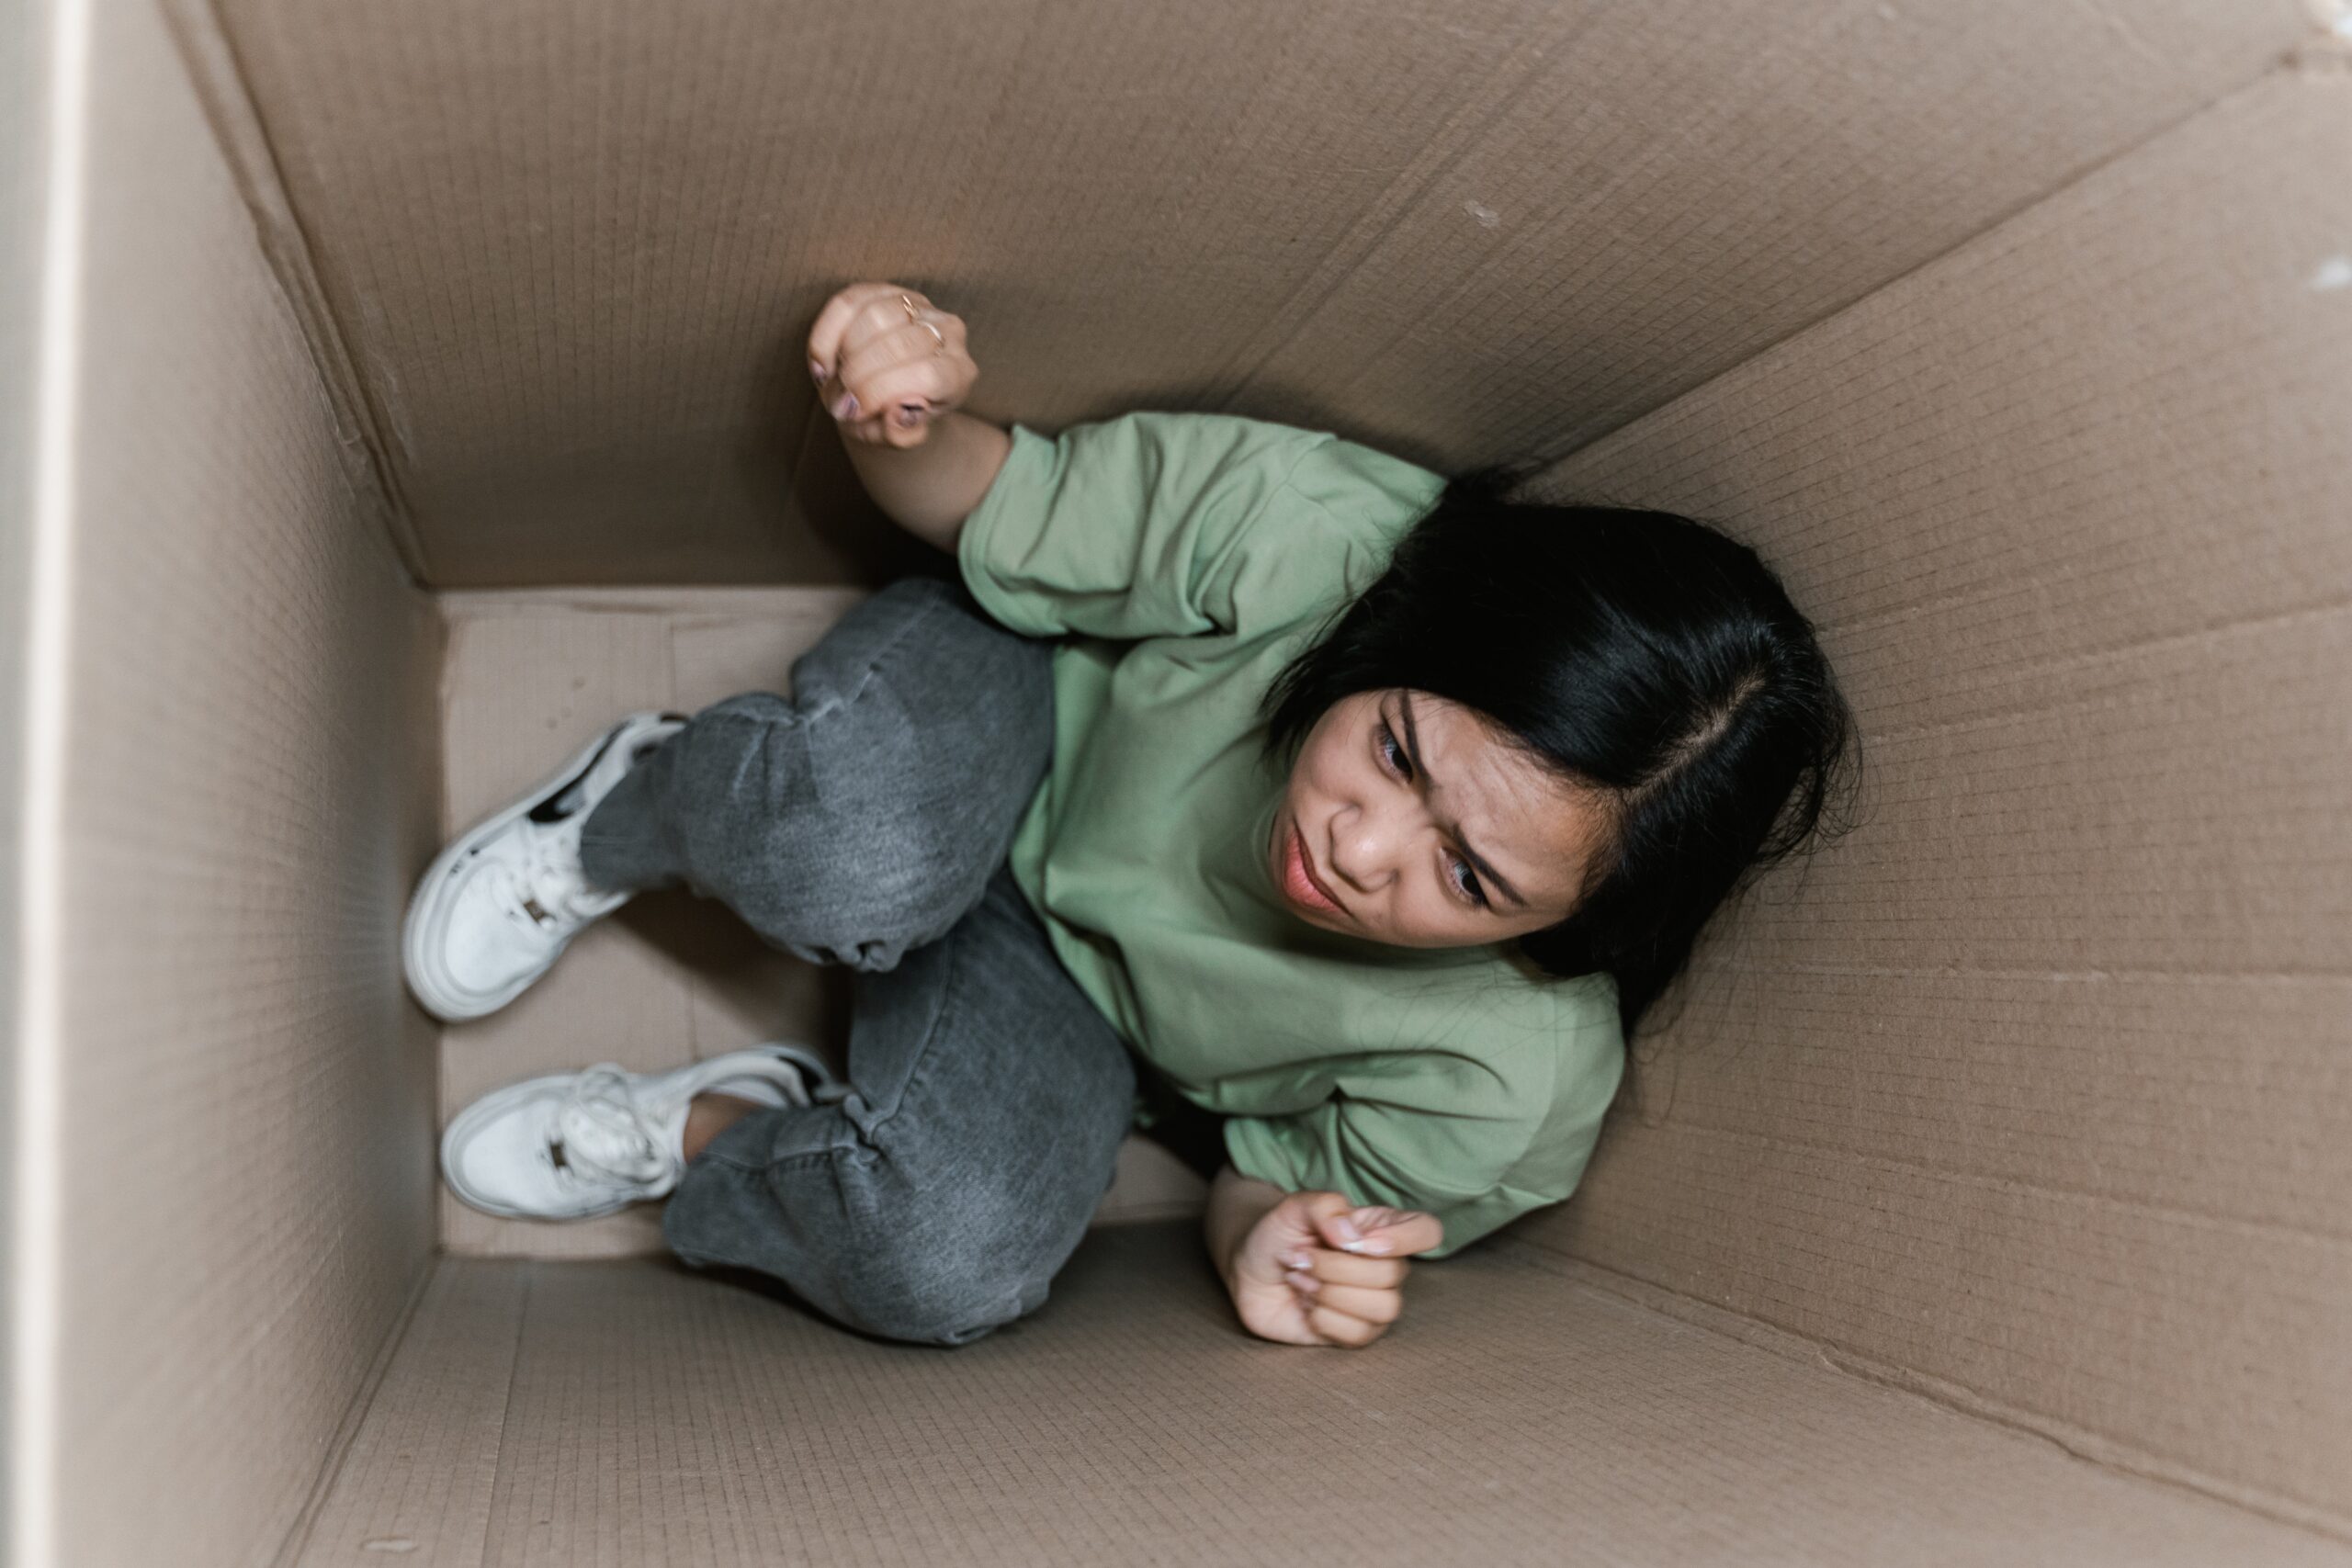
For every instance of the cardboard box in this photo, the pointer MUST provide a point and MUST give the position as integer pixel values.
(390, 395)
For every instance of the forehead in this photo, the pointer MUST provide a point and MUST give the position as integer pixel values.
(1511, 806)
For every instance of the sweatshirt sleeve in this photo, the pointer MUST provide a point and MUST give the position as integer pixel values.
(1477, 1143)
(1169, 524)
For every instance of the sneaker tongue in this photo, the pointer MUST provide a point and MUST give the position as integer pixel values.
(554, 877)
(601, 1151)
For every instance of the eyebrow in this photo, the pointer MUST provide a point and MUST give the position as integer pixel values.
(1478, 861)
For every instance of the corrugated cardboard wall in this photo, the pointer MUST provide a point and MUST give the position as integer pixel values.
(248, 788)
(23, 106)
(572, 244)
(2024, 1097)
(2037, 1091)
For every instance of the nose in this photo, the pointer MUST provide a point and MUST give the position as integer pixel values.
(1363, 851)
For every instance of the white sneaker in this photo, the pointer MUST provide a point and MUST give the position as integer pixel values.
(574, 1145)
(502, 903)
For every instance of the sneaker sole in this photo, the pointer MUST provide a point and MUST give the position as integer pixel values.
(423, 927)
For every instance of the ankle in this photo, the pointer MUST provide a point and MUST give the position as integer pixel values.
(708, 1115)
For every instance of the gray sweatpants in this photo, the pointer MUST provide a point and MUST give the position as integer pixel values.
(865, 821)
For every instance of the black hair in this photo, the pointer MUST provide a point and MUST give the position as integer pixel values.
(1639, 654)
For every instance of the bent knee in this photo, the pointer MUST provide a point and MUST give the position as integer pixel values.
(940, 1306)
(949, 1260)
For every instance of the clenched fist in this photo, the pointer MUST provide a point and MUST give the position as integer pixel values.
(1317, 1271)
(888, 363)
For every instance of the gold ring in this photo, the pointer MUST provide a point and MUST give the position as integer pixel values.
(907, 303)
(936, 336)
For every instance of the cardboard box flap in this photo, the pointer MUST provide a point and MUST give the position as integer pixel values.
(575, 249)
(2036, 1085)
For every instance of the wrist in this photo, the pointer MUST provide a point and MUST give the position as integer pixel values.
(929, 488)
(1236, 1205)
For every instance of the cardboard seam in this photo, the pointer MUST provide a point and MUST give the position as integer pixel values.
(2041, 673)
(2267, 1230)
(1945, 605)
(2088, 1447)
(689, 604)
(2123, 31)
(2068, 976)
(443, 808)
(1541, 463)
(298, 1534)
(438, 633)
(218, 75)
(506, 1407)
(1400, 198)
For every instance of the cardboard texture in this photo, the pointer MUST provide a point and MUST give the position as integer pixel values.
(2017, 336)
(572, 247)
(560, 1413)
(2037, 1088)
(532, 677)
(247, 785)
(24, 109)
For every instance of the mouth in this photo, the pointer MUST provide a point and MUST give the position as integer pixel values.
(1299, 883)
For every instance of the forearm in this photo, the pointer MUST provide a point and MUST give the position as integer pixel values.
(1237, 1202)
(929, 490)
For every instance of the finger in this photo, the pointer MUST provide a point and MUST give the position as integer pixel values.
(1372, 1307)
(1409, 1232)
(1335, 1222)
(928, 384)
(903, 427)
(894, 423)
(878, 318)
(834, 322)
(878, 424)
(1341, 1328)
(1348, 1268)
(877, 430)
(906, 366)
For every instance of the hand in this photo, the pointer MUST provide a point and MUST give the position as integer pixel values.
(888, 363)
(1317, 1271)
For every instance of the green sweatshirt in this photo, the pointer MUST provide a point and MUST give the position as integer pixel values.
(1189, 557)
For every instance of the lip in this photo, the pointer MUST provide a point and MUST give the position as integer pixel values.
(1300, 884)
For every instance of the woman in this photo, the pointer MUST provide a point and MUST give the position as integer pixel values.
(1363, 813)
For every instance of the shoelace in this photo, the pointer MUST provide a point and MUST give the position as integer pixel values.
(547, 882)
(603, 1132)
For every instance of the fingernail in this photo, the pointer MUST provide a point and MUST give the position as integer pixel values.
(845, 406)
(1349, 1235)
(817, 372)
(1297, 1260)
(909, 416)
(1376, 1248)
(1306, 1282)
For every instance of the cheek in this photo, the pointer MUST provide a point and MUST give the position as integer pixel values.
(1322, 767)
(1424, 920)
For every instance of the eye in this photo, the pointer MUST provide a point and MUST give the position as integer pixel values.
(1465, 880)
(1392, 755)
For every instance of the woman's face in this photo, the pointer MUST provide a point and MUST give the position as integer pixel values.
(1413, 820)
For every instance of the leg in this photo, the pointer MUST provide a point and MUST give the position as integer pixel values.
(864, 814)
(989, 1097)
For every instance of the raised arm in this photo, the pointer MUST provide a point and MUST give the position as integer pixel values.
(892, 370)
